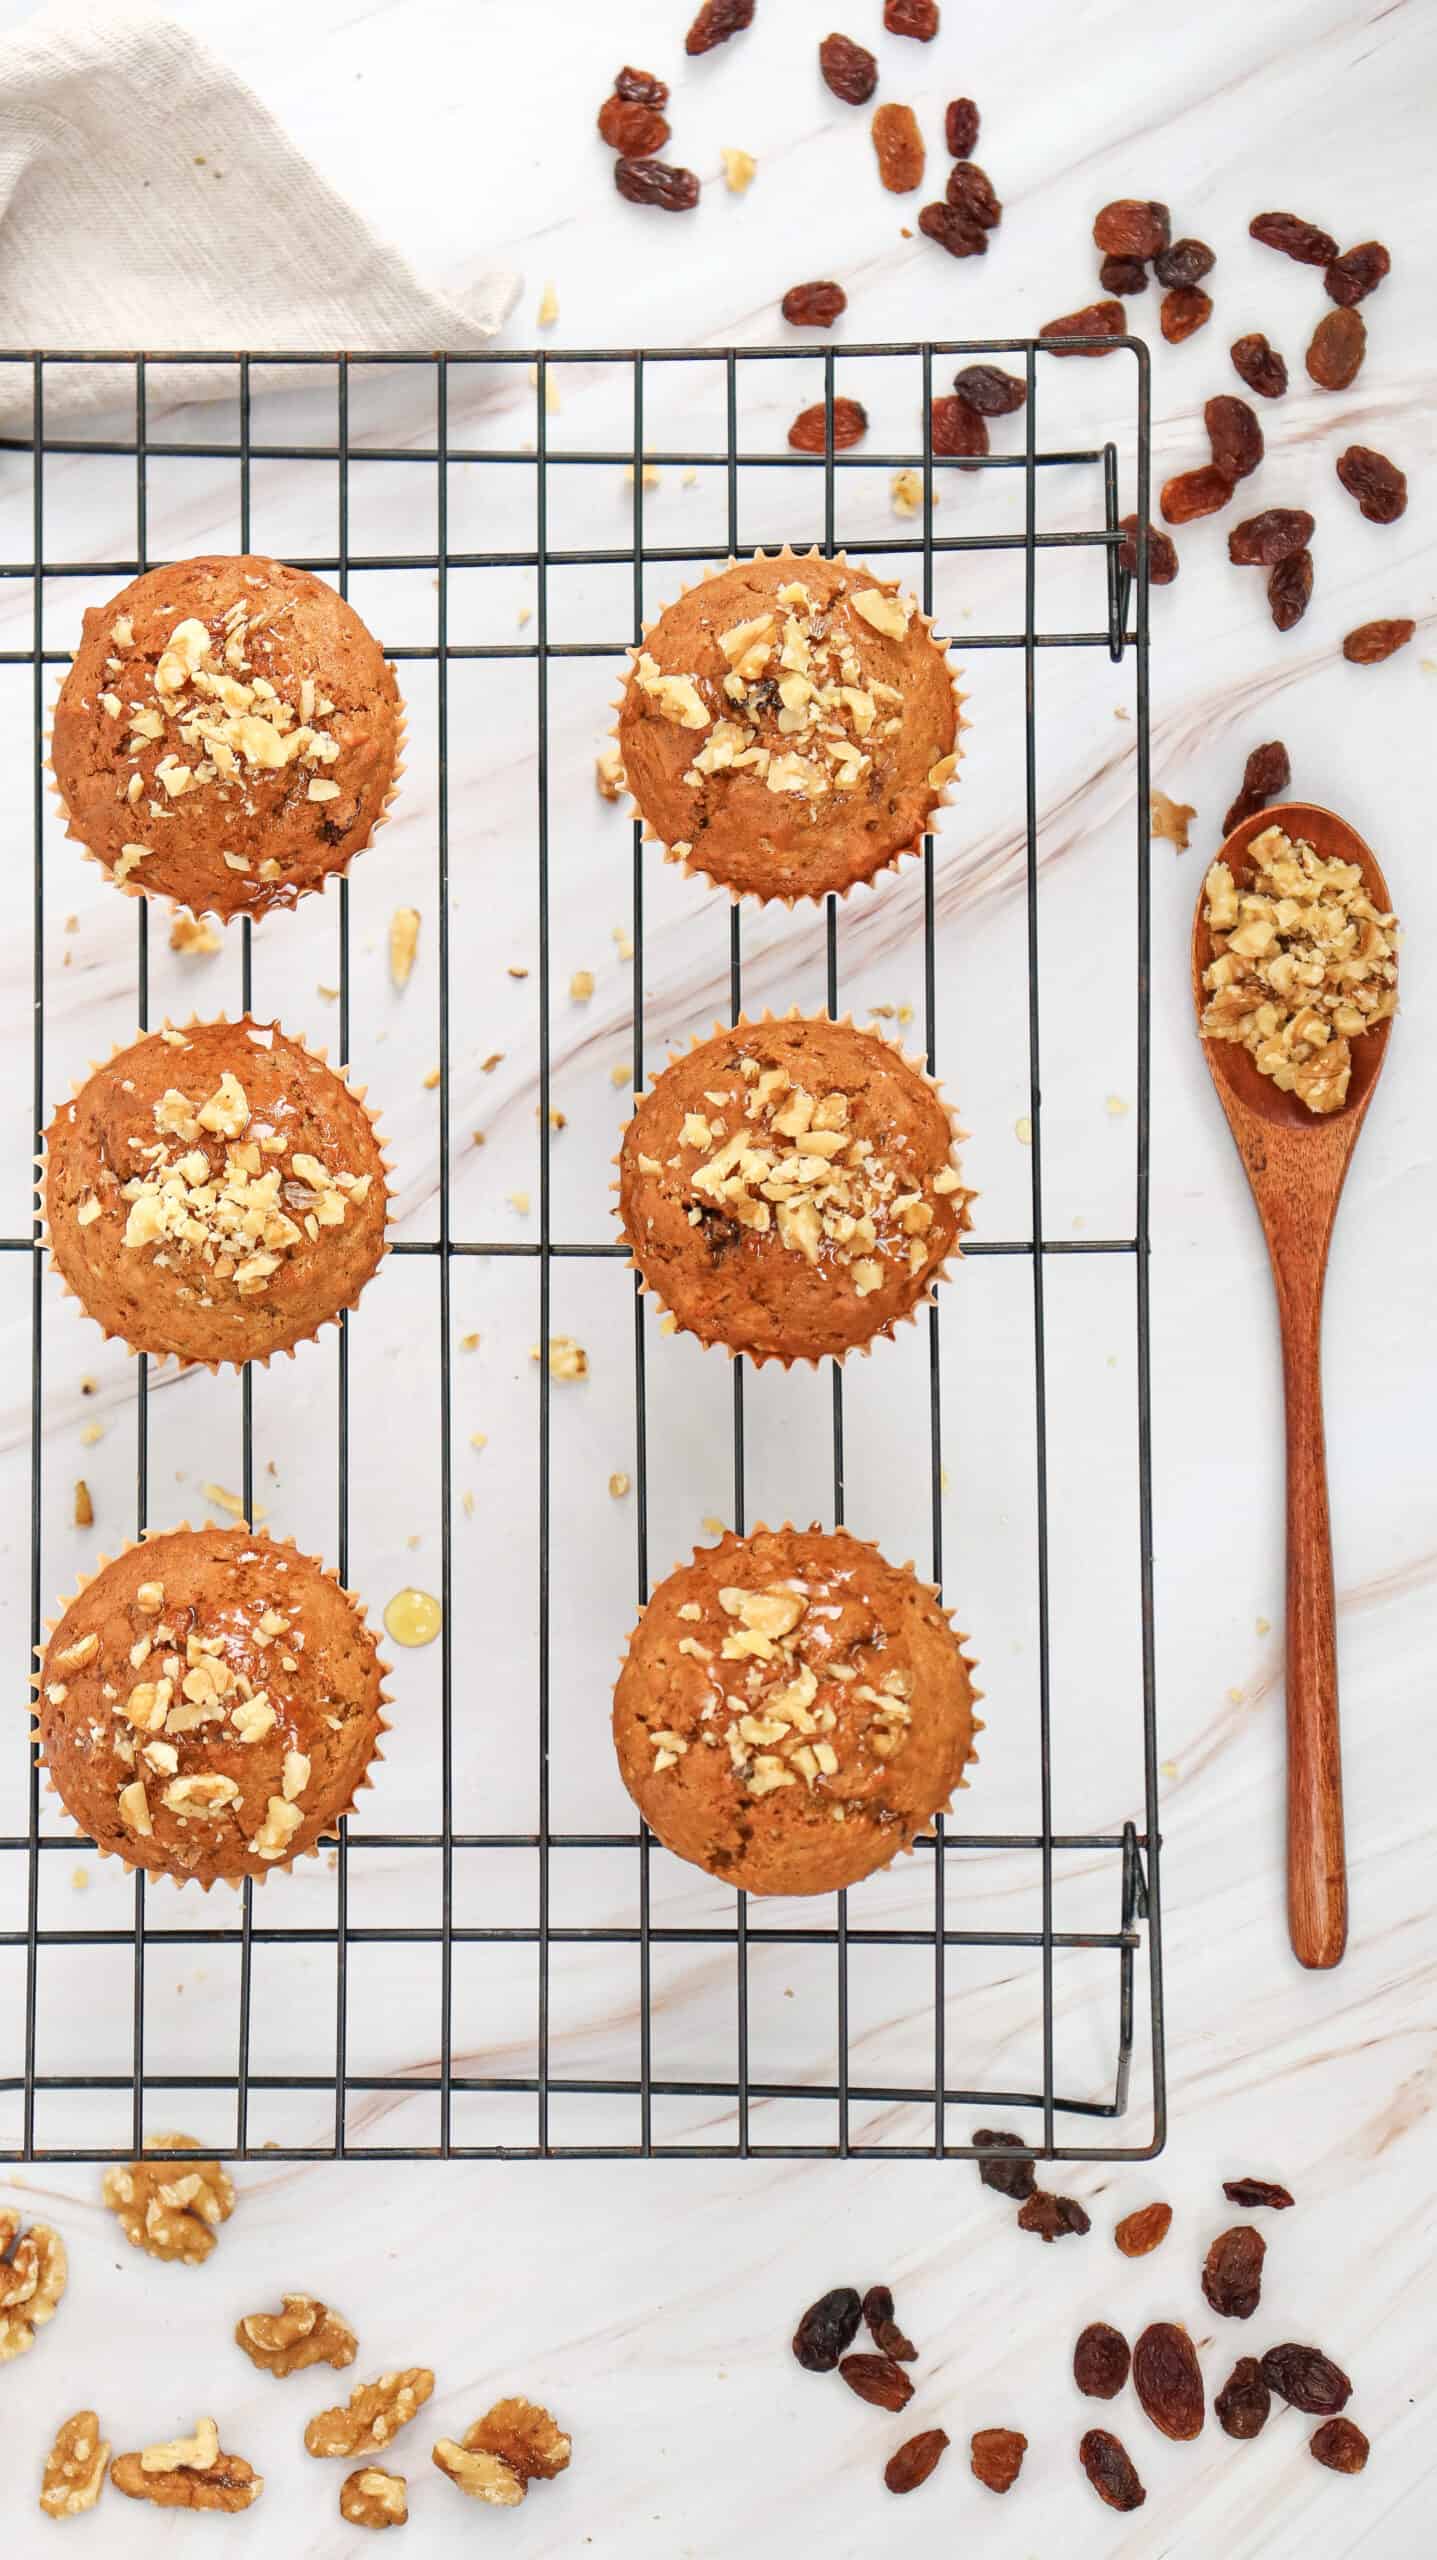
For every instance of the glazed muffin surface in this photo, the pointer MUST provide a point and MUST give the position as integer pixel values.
(214, 1193)
(792, 1711)
(788, 1188)
(227, 736)
(788, 726)
(208, 1704)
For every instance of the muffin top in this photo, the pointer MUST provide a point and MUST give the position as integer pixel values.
(209, 1703)
(214, 1193)
(227, 735)
(788, 726)
(792, 1710)
(789, 1188)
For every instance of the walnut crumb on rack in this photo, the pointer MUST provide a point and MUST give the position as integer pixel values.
(403, 943)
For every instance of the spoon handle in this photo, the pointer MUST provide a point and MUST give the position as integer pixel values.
(1316, 1865)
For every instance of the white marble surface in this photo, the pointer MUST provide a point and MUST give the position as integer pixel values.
(649, 2303)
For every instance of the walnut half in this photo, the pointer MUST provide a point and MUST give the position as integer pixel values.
(375, 2498)
(171, 2212)
(514, 2443)
(75, 2467)
(302, 2332)
(193, 2471)
(375, 2412)
(33, 2273)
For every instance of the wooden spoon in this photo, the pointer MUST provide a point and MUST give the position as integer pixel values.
(1296, 1163)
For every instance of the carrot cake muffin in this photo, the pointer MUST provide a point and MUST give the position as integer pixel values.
(788, 726)
(228, 735)
(789, 1188)
(214, 1193)
(792, 1710)
(209, 1703)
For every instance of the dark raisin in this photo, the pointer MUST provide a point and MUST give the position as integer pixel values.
(1265, 775)
(1167, 2380)
(1101, 2359)
(1195, 493)
(1259, 365)
(993, 393)
(1095, 320)
(899, 146)
(1234, 434)
(717, 20)
(814, 306)
(960, 128)
(1378, 486)
(827, 2329)
(956, 232)
(634, 129)
(850, 70)
(917, 18)
(1289, 589)
(957, 429)
(850, 425)
(1185, 262)
(1371, 642)
(1273, 535)
(1255, 2191)
(1184, 309)
(1336, 350)
(883, 2328)
(1294, 237)
(641, 86)
(970, 190)
(1139, 2233)
(915, 2461)
(1357, 272)
(1123, 275)
(878, 2380)
(1015, 2178)
(1162, 569)
(1242, 2405)
(1340, 2446)
(1131, 228)
(996, 2454)
(1052, 2217)
(1306, 2379)
(1232, 2272)
(656, 182)
(1109, 2467)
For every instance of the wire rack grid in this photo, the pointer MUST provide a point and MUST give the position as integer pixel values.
(733, 2099)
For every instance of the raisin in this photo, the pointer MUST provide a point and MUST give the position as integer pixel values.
(954, 231)
(1259, 365)
(1185, 262)
(1195, 493)
(641, 86)
(1095, 320)
(1294, 237)
(883, 2328)
(960, 128)
(1371, 642)
(1265, 775)
(717, 20)
(1244, 2400)
(899, 146)
(970, 190)
(1254, 2191)
(1378, 486)
(916, 18)
(1289, 590)
(1101, 2360)
(1052, 2217)
(1015, 2178)
(827, 2329)
(1273, 535)
(957, 429)
(1123, 275)
(1109, 2467)
(1162, 569)
(634, 129)
(850, 425)
(1130, 228)
(850, 70)
(1357, 272)
(655, 182)
(1340, 2446)
(1338, 345)
(878, 2380)
(915, 2461)
(814, 306)
(997, 2454)
(1232, 2272)
(986, 388)
(1306, 2379)
(1139, 2233)
(1167, 2380)
(1234, 434)
(1184, 309)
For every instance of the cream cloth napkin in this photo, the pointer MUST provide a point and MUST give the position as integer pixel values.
(112, 236)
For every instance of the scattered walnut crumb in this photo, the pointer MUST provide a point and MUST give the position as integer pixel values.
(34, 2270)
(1170, 819)
(567, 1358)
(72, 924)
(714, 1527)
(516, 971)
(1116, 1107)
(92, 1432)
(84, 1507)
(330, 994)
(608, 773)
(552, 402)
(548, 311)
(488, 1065)
(518, 1200)
(478, 1439)
(618, 1484)
(906, 492)
(431, 1080)
(403, 943)
(477, 1138)
(525, 614)
(469, 1342)
(89, 1386)
(1023, 1131)
(192, 934)
(623, 941)
(581, 986)
(738, 170)
(467, 1505)
(620, 1074)
(1303, 963)
(557, 1118)
(1264, 1626)
(79, 1879)
(223, 1500)
(652, 476)
(75, 2467)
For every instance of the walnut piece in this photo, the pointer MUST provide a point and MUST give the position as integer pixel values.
(1302, 964)
(374, 2413)
(33, 2271)
(194, 2471)
(74, 2467)
(515, 2442)
(171, 2212)
(301, 2333)
(375, 2498)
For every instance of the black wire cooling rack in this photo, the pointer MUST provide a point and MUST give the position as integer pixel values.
(735, 2109)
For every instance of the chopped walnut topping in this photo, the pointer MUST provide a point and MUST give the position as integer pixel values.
(777, 1714)
(302, 2332)
(192, 2472)
(1303, 963)
(514, 2443)
(281, 1821)
(375, 2498)
(171, 2210)
(75, 2467)
(34, 2270)
(403, 943)
(374, 2413)
(230, 721)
